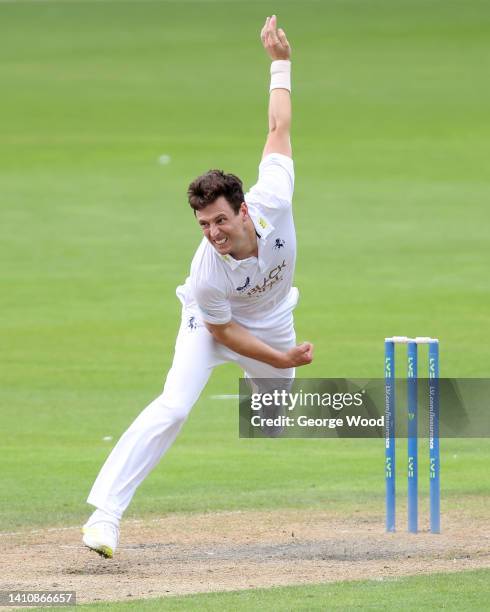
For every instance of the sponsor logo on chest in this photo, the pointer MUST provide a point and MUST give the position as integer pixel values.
(269, 280)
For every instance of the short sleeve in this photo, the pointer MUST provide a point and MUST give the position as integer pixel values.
(213, 304)
(275, 185)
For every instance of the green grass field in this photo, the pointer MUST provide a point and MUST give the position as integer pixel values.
(466, 590)
(391, 143)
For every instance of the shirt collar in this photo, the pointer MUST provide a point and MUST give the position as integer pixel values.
(263, 227)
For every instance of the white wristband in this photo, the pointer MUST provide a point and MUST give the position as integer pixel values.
(280, 75)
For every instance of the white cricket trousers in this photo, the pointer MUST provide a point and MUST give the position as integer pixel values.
(142, 446)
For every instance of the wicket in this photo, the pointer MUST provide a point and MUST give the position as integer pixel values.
(412, 431)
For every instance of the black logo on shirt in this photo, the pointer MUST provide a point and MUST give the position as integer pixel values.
(280, 243)
(191, 323)
(274, 277)
(245, 284)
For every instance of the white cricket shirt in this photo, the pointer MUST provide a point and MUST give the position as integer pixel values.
(251, 291)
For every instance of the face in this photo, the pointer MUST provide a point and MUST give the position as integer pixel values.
(224, 229)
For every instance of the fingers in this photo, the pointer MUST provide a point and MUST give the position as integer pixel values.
(271, 30)
(264, 30)
(271, 36)
(300, 355)
(282, 37)
(307, 352)
(305, 346)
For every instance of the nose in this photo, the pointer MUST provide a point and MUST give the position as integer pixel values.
(214, 231)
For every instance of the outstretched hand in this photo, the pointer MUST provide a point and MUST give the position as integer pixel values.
(274, 40)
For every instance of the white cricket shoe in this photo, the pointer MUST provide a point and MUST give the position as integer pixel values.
(101, 536)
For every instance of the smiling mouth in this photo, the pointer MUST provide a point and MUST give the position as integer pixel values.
(221, 242)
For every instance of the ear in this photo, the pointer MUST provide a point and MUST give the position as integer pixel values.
(244, 210)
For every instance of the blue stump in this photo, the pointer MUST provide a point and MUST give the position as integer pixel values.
(390, 434)
(412, 437)
(434, 459)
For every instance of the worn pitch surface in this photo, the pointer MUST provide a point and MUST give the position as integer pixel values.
(182, 554)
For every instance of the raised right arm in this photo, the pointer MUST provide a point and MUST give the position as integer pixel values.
(277, 47)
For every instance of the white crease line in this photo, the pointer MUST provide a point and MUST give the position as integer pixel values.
(68, 2)
(48, 530)
(79, 527)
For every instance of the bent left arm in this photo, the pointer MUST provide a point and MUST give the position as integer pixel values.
(241, 341)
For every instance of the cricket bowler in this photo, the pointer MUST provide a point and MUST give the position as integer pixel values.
(237, 303)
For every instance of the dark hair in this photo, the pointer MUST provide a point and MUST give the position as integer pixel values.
(205, 189)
